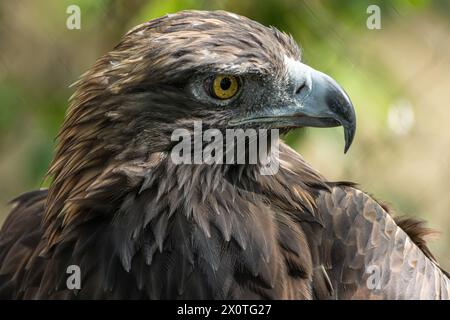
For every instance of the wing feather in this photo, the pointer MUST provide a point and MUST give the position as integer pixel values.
(368, 256)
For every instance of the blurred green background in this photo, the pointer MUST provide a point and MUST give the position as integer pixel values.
(398, 78)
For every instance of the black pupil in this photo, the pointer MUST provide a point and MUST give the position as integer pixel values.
(225, 83)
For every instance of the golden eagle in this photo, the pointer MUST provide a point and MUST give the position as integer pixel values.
(139, 226)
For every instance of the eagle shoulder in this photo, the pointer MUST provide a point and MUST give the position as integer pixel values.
(20, 235)
(368, 256)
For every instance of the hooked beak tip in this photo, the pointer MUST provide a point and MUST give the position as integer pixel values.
(349, 134)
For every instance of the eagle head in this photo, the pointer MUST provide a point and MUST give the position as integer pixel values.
(217, 67)
(223, 69)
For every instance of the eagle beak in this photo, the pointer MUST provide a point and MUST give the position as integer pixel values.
(319, 101)
(313, 99)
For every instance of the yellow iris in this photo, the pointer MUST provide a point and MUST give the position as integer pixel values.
(224, 86)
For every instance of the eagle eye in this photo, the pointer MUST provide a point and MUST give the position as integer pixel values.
(223, 86)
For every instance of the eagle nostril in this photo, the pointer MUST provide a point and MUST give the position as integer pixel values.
(300, 88)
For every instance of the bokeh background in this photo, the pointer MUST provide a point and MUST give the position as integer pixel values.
(398, 78)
